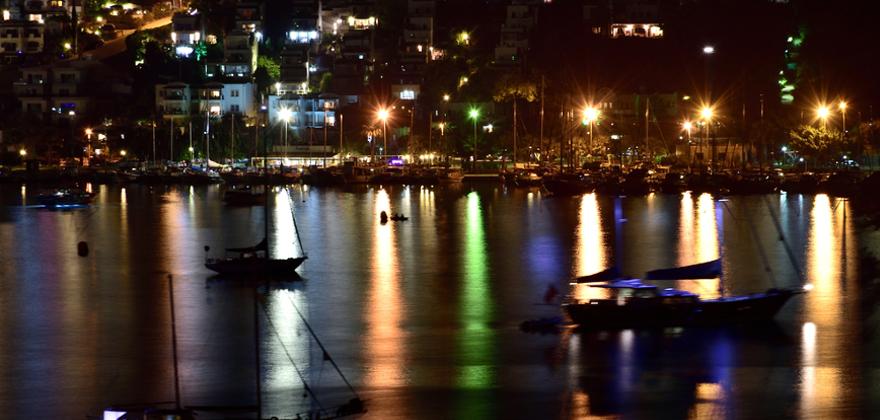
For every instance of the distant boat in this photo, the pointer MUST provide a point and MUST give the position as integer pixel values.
(65, 198)
(253, 260)
(243, 196)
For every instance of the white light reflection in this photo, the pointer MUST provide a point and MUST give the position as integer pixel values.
(281, 372)
(284, 233)
(589, 253)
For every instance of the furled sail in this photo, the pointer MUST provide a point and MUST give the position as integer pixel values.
(705, 270)
(607, 274)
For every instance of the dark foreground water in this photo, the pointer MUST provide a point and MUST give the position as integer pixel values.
(422, 316)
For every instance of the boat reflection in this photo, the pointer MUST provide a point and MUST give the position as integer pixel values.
(676, 373)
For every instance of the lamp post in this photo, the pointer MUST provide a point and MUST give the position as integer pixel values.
(591, 114)
(706, 113)
(382, 114)
(687, 126)
(842, 106)
(284, 114)
(474, 114)
(88, 145)
(442, 127)
(822, 112)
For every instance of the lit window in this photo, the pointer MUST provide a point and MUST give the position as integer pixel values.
(215, 110)
(407, 95)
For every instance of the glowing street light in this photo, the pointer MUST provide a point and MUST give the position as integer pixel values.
(842, 107)
(822, 112)
(708, 50)
(474, 114)
(285, 114)
(123, 153)
(590, 114)
(382, 114)
(706, 113)
(446, 97)
(22, 152)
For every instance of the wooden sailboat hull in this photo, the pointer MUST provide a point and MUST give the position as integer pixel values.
(243, 267)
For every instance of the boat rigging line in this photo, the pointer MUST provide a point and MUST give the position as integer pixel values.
(754, 231)
(295, 226)
(290, 358)
(788, 251)
(326, 355)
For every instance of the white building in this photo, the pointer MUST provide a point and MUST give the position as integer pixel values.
(180, 100)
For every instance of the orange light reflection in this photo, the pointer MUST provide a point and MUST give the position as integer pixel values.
(383, 310)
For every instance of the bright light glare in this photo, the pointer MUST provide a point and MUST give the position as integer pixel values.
(382, 114)
(474, 113)
(708, 49)
(591, 114)
(284, 114)
(706, 113)
(822, 112)
(842, 106)
(687, 126)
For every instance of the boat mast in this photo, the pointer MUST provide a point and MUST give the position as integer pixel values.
(266, 188)
(174, 343)
(257, 351)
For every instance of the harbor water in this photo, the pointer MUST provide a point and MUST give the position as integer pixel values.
(422, 316)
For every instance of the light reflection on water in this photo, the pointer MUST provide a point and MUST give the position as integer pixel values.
(384, 343)
(443, 336)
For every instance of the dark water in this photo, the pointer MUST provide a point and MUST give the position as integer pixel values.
(422, 316)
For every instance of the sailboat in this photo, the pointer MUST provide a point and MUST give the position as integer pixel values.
(256, 260)
(636, 304)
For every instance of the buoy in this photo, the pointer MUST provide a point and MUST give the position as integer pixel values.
(383, 217)
(82, 249)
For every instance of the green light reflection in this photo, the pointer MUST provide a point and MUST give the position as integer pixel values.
(476, 339)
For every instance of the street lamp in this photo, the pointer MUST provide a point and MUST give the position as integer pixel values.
(591, 114)
(842, 107)
(446, 97)
(822, 112)
(708, 50)
(687, 126)
(284, 114)
(383, 115)
(22, 152)
(89, 144)
(474, 114)
(122, 153)
(706, 114)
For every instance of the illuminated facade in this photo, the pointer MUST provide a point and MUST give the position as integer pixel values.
(187, 31)
(180, 100)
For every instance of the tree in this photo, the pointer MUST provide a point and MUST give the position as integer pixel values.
(512, 87)
(268, 72)
(818, 143)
